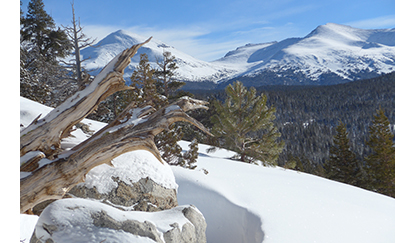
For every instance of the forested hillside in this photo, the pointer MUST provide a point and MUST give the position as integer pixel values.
(307, 116)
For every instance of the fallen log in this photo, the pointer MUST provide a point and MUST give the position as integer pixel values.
(46, 133)
(133, 129)
(47, 172)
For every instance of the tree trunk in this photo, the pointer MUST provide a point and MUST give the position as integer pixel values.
(134, 129)
(45, 134)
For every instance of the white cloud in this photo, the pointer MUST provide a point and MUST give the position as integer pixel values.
(190, 40)
(205, 41)
(375, 23)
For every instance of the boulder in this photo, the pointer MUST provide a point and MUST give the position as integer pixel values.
(137, 181)
(81, 220)
(144, 195)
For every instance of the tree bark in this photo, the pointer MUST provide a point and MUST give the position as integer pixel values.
(134, 129)
(45, 134)
(48, 173)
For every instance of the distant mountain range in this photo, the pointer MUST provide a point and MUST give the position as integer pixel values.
(330, 54)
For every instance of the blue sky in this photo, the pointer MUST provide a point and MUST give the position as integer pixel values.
(207, 30)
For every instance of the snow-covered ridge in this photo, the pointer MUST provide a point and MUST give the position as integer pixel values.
(332, 48)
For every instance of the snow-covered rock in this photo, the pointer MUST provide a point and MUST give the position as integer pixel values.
(137, 181)
(81, 220)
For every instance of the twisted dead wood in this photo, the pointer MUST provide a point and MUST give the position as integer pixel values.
(49, 173)
(134, 129)
(45, 134)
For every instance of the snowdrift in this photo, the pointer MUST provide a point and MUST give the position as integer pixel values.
(249, 203)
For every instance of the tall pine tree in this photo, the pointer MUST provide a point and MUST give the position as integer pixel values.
(343, 165)
(165, 75)
(244, 124)
(39, 30)
(144, 83)
(41, 44)
(380, 163)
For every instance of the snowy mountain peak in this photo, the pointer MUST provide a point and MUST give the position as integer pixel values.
(190, 68)
(330, 54)
(344, 33)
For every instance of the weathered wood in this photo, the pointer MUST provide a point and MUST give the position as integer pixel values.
(45, 134)
(133, 129)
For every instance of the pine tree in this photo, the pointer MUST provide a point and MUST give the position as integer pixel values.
(380, 164)
(244, 124)
(343, 165)
(166, 142)
(165, 74)
(191, 156)
(41, 45)
(38, 28)
(144, 83)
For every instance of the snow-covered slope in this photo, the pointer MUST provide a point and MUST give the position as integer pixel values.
(190, 69)
(331, 53)
(250, 203)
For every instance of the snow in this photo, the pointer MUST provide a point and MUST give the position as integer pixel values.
(172, 108)
(190, 68)
(30, 110)
(141, 163)
(241, 202)
(72, 100)
(79, 212)
(26, 226)
(30, 155)
(289, 206)
(329, 48)
(134, 120)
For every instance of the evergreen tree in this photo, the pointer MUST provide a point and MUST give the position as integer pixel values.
(144, 83)
(380, 164)
(38, 28)
(343, 165)
(166, 142)
(30, 86)
(165, 73)
(244, 124)
(41, 45)
(191, 156)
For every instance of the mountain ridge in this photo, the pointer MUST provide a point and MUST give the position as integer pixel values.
(330, 54)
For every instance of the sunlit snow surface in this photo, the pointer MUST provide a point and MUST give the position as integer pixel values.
(250, 203)
(291, 206)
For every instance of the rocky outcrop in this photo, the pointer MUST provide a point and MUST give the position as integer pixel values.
(81, 220)
(144, 195)
(104, 207)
